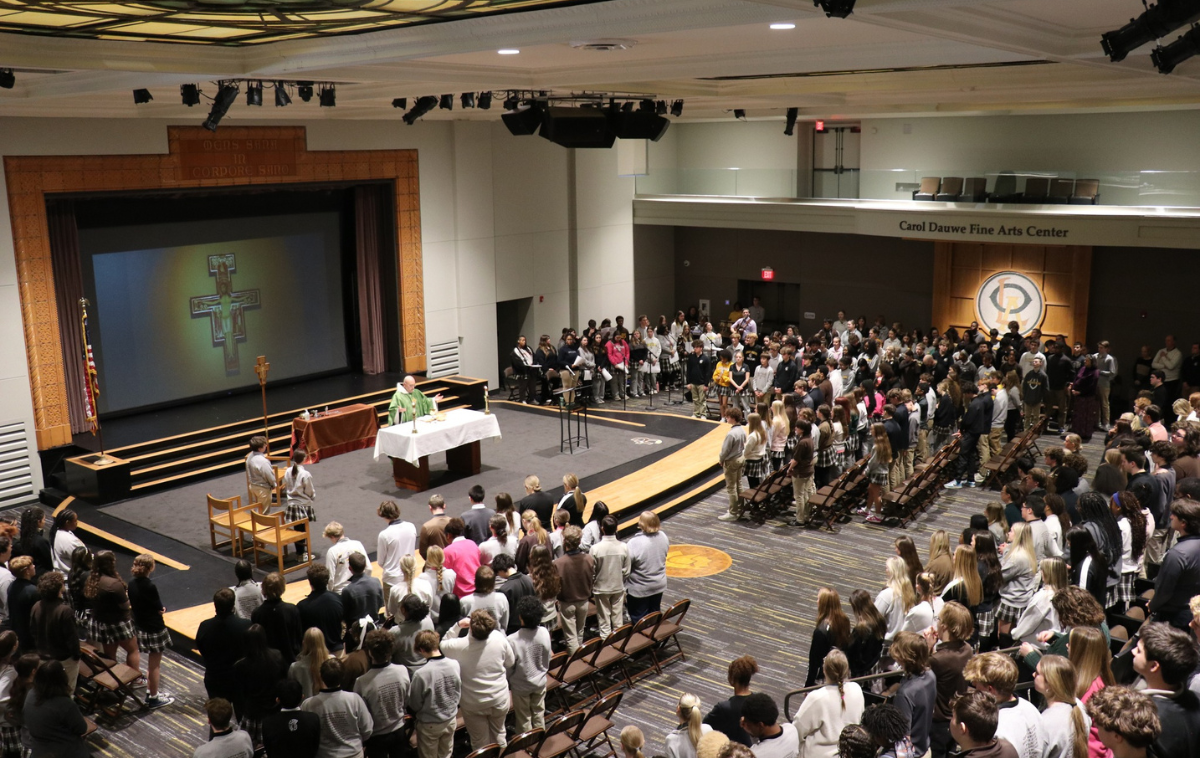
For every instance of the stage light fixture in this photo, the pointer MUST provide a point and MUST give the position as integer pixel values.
(739, 114)
(400, 102)
(511, 103)
(468, 100)
(835, 8)
(282, 98)
(677, 108)
(446, 102)
(646, 106)
(661, 107)
(7, 78)
(304, 90)
(226, 95)
(189, 94)
(485, 101)
(1167, 58)
(792, 114)
(1157, 22)
(327, 96)
(627, 107)
(141, 96)
(254, 93)
(420, 108)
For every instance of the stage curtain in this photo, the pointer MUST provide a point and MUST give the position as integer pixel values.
(68, 288)
(370, 202)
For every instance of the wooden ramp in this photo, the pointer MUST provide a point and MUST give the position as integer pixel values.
(685, 464)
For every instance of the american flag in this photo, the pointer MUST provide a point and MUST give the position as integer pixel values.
(91, 386)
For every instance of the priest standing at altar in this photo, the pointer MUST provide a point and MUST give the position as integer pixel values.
(409, 402)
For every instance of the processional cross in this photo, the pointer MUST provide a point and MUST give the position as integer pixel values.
(226, 309)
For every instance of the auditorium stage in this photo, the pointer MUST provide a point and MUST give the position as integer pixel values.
(638, 460)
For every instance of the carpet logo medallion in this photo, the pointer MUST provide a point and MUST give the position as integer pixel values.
(690, 561)
(646, 441)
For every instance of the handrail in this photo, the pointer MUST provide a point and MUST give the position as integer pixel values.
(787, 699)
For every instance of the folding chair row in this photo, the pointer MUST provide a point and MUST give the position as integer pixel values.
(769, 498)
(999, 468)
(574, 673)
(580, 732)
(835, 500)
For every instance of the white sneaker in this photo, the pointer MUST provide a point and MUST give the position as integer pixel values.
(953, 485)
(727, 517)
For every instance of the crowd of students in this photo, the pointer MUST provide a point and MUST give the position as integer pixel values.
(469, 631)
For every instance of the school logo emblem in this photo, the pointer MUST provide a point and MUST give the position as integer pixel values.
(1010, 296)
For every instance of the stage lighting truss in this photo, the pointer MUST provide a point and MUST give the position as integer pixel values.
(1155, 23)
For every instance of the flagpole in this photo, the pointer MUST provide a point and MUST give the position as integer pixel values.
(91, 391)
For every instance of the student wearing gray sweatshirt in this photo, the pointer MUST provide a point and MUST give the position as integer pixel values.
(433, 698)
(412, 620)
(485, 597)
(346, 722)
(531, 661)
(612, 569)
(647, 579)
(383, 688)
(484, 658)
(732, 460)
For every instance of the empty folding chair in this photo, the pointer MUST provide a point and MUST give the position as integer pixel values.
(974, 190)
(951, 189)
(523, 745)
(612, 653)
(595, 727)
(562, 736)
(1037, 189)
(1087, 192)
(1005, 190)
(642, 639)
(487, 751)
(1061, 191)
(579, 672)
(929, 188)
(667, 631)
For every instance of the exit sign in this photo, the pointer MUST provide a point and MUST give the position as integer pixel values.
(820, 126)
(768, 274)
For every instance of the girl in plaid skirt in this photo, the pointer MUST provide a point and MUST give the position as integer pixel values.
(993, 577)
(1132, 523)
(152, 634)
(778, 433)
(257, 673)
(112, 622)
(81, 566)
(299, 497)
(22, 682)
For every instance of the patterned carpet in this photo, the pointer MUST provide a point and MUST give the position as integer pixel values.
(764, 605)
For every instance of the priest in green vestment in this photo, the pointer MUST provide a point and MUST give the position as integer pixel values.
(409, 402)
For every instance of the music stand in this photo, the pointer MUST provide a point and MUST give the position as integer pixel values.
(577, 409)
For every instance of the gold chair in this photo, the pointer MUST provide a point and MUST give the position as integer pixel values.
(227, 517)
(271, 535)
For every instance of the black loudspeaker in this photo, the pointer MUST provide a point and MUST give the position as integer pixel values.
(577, 127)
(524, 121)
(638, 125)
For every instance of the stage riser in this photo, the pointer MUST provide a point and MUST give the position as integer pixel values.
(206, 453)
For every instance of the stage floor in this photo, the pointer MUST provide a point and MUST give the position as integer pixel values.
(231, 408)
(351, 486)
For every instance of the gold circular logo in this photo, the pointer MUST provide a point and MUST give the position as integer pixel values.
(690, 561)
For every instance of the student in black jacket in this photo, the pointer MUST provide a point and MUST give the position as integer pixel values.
(291, 732)
(280, 620)
(698, 375)
(322, 608)
(220, 641)
(976, 421)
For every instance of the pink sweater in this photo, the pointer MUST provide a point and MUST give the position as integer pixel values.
(1096, 748)
(618, 353)
(462, 555)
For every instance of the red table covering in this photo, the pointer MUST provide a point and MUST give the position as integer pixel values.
(340, 431)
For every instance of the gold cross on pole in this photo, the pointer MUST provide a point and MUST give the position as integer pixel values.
(261, 367)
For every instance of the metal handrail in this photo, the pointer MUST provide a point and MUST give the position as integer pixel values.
(787, 699)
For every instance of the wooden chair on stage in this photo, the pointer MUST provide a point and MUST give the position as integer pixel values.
(227, 517)
(271, 535)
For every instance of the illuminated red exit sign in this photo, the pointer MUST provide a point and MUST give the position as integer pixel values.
(768, 274)
(820, 127)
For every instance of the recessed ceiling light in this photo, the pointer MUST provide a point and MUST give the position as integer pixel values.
(782, 26)
(509, 51)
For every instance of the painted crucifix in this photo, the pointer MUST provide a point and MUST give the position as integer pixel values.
(226, 309)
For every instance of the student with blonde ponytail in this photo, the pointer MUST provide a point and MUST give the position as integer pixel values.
(440, 578)
(1065, 722)
(410, 583)
(682, 742)
(897, 598)
(825, 712)
(632, 742)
